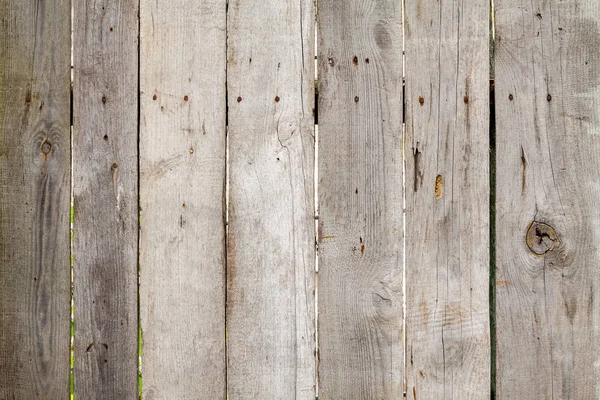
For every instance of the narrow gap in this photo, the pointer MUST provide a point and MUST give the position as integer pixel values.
(71, 232)
(492, 210)
(316, 194)
(404, 353)
(139, 129)
(492, 233)
(226, 190)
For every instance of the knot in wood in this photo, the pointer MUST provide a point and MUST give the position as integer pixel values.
(46, 147)
(541, 238)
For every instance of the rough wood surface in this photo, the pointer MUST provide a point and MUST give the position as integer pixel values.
(105, 191)
(360, 200)
(548, 226)
(35, 157)
(182, 161)
(271, 242)
(447, 200)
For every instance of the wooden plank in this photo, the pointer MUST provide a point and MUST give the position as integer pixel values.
(360, 200)
(105, 192)
(182, 161)
(548, 227)
(447, 200)
(34, 199)
(271, 242)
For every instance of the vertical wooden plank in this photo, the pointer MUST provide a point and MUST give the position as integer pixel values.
(35, 167)
(182, 156)
(105, 195)
(271, 242)
(447, 200)
(360, 199)
(548, 226)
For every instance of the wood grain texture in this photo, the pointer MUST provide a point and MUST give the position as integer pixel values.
(548, 227)
(271, 242)
(105, 192)
(360, 200)
(35, 164)
(447, 200)
(182, 157)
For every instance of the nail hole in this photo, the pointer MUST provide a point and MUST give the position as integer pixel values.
(510, 97)
(549, 97)
(239, 99)
(185, 98)
(105, 137)
(154, 97)
(277, 99)
(421, 101)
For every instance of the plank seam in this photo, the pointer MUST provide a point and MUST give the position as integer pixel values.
(226, 199)
(139, 114)
(492, 210)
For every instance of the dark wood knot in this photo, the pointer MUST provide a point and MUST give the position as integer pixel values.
(541, 238)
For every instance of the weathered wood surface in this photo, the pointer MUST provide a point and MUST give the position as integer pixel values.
(271, 242)
(548, 227)
(447, 200)
(182, 162)
(34, 199)
(105, 192)
(360, 200)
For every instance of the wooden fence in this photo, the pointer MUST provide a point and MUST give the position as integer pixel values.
(458, 233)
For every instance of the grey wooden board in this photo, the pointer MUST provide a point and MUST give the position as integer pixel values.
(182, 161)
(447, 200)
(360, 200)
(105, 191)
(271, 241)
(548, 157)
(34, 199)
